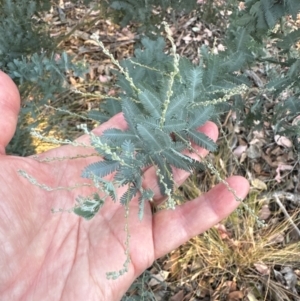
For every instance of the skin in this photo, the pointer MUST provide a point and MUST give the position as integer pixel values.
(46, 256)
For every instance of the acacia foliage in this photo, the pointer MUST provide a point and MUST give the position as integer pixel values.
(162, 118)
(31, 58)
(263, 21)
(164, 99)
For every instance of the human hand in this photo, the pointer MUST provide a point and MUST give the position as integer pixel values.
(46, 256)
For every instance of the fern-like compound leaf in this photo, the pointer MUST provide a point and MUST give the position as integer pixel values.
(289, 40)
(145, 196)
(178, 160)
(293, 7)
(119, 136)
(111, 106)
(200, 116)
(165, 175)
(98, 116)
(151, 103)
(149, 122)
(129, 174)
(128, 147)
(174, 125)
(128, 195)
(201, 140)
(130, 110)
(272, 12)
(195, 83)
(100, 169)
(177, 105)
(154, 140)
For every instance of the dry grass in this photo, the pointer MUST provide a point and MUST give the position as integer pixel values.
(238, 258)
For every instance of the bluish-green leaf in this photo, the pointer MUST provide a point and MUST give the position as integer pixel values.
(128, 146)
(272, 12)
(119, 136)
(176, 105)
(174, 125)
(195, 82)
(145, 196)
(289, 40)
(128, 195)
(98, 116)
(202, 140)
(200, 116)
(151, 102)
(166, 174)
(88, 207)
(111, 106)
(148, 135)
(100, 169)
(129, 174)
(178, 160)
(149, 122)
(130, 109)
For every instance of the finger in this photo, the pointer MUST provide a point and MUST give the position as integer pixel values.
(171, 228)
(117, 122)
(9, 110)
(150, 178)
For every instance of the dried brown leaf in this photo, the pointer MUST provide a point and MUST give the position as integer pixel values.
(283, 141)
(281, 167)
(275, 238)
(240, 150)
(264, 212)
(259, 184)
(158, 278)
(235, 296)
(178, 297)
(262, 268)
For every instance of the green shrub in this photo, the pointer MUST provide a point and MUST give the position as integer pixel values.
(31, 58)
(165, 100)
(262, 21)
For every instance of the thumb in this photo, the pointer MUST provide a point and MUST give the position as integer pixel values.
(9, 109)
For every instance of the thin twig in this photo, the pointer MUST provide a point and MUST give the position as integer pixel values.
(275, 195)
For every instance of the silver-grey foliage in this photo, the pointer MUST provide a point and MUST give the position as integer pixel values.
(165, 100)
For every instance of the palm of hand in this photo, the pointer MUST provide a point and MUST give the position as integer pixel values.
(61, 254)
(48, 256)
